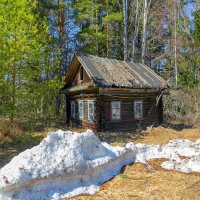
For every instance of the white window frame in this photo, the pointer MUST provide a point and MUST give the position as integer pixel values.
(112, 109)
(136, 114)
(90, 114)
(80, 109)
(73, 109)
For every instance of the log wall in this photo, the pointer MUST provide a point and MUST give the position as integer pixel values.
(151, 113)
(84, 123)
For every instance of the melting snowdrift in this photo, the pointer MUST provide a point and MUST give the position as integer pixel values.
(183, 155)
(66, 164)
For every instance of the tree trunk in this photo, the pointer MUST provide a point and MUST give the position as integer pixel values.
(60, 39)
(67, 44)
(97, 44)
(107, 31)
(125, 29)
(144, 34)
(13, 97)
(136, 31)
(175, 43)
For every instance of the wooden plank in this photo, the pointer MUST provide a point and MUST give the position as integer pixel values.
(84, 97)
(88, 91)
(127, 113)
(130, 90)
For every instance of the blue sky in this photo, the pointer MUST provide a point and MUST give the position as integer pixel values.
(189, 9)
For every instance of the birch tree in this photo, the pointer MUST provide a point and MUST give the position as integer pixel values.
(125, 36)
(144, 31)
(175, 43)
(135, 16)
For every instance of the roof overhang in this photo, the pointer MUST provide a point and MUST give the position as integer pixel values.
(93, 67)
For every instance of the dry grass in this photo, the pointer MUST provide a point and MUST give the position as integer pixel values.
(162, 135)
(157, 135)
(10, 131)
(142, 182)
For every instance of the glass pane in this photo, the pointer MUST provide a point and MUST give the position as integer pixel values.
(115, 113)
(138, 110)
(73, 109)
(115, 104)
(91, 110)
(91, 105)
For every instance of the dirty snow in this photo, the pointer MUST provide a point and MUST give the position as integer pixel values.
(66, 164)
(183, 155)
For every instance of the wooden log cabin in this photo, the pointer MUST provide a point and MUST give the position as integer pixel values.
(112, 95)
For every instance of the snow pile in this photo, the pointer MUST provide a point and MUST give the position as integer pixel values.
(183, 154)
(64, 164)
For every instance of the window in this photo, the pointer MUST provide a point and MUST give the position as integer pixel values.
(138, 109)
(81, 73)
(73, 109)
(80, 109)
(91, 110)
(116, 110)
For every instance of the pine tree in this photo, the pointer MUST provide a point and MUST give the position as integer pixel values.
(23, 51)
(100, 25)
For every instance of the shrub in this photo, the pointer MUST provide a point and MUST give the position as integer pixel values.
(183, 106)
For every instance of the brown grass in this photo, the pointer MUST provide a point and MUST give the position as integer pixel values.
(157, 135)
(162, 135)
(10, 131)
(142, 182)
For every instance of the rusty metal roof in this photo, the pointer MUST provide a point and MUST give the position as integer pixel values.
(107, 72)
